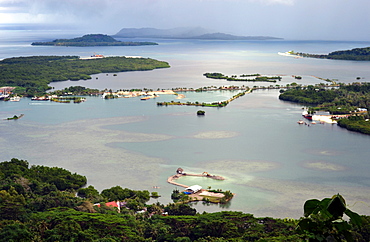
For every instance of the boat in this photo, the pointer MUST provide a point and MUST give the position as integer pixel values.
(15, 99)
(4, 96)
(40, 98)
(300, 122)
(306, 115)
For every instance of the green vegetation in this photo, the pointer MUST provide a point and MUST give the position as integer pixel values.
(77, 91)
(324, 220)
(68, 99)
(214, 104)
(343, 100)
(39, 203)
(15, 117)
(201, 112)
(92, 40)
(258, 77)
(31, 75)
(355, 123)
(358, 54)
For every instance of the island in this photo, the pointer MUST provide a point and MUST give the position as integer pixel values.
(195, 192)
(92, 40)
(243, 77)
(357, 54)
(31, 75)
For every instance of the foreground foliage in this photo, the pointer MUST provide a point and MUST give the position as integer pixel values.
(38, 203)
(31, 75)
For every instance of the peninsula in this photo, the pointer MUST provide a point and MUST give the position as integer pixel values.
(31, 75)
(351, 100)
(92, 40)
(358, 54)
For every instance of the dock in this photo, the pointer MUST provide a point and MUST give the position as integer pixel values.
(177, 176)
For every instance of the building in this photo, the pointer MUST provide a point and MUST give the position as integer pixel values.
(193, 189)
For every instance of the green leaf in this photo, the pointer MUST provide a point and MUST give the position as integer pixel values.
(323, 208)
(355, 217)
(310, 206)
(337, 206)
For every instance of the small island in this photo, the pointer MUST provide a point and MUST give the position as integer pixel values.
(243, 77)
(92, 40)
(357, 54)
(15, 117)
(195, 192)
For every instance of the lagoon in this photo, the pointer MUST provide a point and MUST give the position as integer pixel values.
(270, 162)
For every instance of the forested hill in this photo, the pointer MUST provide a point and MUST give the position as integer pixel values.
(358, 54)
(92, 40)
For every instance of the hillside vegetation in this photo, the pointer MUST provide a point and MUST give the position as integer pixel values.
(39, 203)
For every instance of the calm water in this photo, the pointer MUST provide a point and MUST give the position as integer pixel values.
(270, 162)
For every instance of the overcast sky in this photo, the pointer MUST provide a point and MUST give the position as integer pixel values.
(289, 19)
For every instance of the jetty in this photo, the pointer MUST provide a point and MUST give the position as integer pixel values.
(178, 175)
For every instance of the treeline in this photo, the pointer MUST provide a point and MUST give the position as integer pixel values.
(358, 54)
(76, 90)
(92, 40)
(258, 77)
(342, 100)
(31, 75)
(355, 123)
(39, 203)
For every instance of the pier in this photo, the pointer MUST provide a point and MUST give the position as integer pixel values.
(177, 176)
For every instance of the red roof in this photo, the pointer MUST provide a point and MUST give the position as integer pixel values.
(110, 204)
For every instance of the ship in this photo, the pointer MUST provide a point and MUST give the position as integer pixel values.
(40, 98)
(306, 115)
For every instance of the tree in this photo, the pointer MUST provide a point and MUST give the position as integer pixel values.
(12, 205)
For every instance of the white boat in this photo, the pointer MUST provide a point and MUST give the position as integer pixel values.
(15, 99)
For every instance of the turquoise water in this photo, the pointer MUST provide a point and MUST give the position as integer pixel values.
(270, 162)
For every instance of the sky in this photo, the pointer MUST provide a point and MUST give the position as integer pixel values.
(288, 19)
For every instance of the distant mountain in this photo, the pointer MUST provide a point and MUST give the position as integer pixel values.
(222, 36)
(183, 33)
(160, 33)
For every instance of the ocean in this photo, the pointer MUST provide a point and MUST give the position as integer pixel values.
(271, 163)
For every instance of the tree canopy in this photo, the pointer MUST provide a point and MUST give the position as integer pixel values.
(33, 74)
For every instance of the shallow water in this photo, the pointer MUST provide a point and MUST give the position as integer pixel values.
(270, 162)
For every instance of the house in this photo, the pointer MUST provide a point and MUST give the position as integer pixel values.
(193, 189)
(111, 204)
